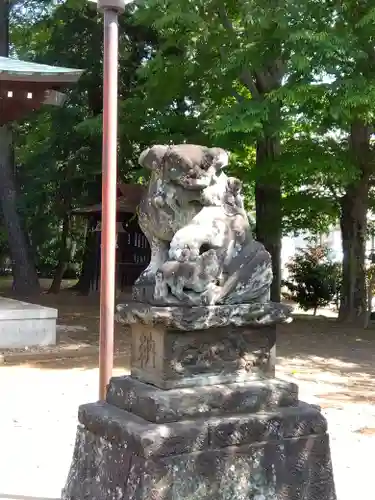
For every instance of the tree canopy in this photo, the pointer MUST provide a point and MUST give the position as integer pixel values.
(287, 86)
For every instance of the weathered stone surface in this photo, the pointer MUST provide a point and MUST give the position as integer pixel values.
(258, 471)
(202, 417)
(144, 438)
(148, 439)
(253, 314)
(281, 424)
(171, 358)
(101, 469)
(283, 469)
(179, 176)
(159, 406)
(202, 248)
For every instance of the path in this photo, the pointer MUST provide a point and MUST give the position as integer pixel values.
(335, 370)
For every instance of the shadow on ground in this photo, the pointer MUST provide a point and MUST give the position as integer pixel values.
(121, 362)
(338, 359)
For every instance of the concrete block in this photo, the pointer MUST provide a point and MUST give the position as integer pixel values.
(26, 325)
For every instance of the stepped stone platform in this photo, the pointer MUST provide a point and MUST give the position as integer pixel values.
(26, 325)
(249, 439)
(202, 416)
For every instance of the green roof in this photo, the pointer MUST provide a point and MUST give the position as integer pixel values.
(16, 70)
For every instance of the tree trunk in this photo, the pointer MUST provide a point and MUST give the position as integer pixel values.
(25, 279)
(64, 256)
(353, 233)
(268, 208)
(260, 82)
(4, 28)
(88, 264)
(370, 287)
(353, 223)
(268, 178)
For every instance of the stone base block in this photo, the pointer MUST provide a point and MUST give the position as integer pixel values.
(271, 455)
(191, 318)
(171, 358)
(157, 405)
(25, 325)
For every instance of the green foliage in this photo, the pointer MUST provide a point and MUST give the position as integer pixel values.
(204, 71)
(58, 150)
(313, 279)
(246, 71)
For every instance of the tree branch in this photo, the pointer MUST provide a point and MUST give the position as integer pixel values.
(225, 21)
(245, 77)
(247, 80)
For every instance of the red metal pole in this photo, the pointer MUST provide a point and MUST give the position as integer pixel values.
(109, 195)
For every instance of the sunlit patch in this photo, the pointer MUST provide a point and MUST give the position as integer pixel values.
(367, 431)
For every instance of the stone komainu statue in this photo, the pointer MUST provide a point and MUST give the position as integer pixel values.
(203, 251)
(202, 415)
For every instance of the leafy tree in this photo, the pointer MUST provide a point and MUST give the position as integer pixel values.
(339, 106)
(58, 164)
(288, 89)
(236, 64)
(59, 150)
(313, 280)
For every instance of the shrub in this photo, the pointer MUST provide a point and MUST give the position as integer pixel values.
(314, 280)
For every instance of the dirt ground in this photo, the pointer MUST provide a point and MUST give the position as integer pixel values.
(78, 318)
(333, 365)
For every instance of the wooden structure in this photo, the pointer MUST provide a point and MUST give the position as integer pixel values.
(132, 249)
(26, 86)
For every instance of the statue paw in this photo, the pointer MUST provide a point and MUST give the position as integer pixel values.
(211, 295)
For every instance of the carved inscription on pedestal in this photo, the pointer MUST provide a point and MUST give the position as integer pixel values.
(147, 352)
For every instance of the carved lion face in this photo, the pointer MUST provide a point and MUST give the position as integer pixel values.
(190, 166)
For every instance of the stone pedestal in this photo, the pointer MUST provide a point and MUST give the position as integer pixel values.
(200, 418)
(171, 358)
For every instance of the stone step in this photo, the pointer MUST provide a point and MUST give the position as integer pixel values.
(287, 469)
(146, 439)
(158, 405)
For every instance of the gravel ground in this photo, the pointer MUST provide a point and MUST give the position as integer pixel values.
(38, 414)
(352, 434)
